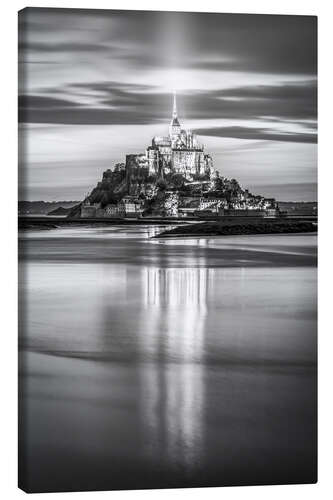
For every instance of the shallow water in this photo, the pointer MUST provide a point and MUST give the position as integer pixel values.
(161, 363)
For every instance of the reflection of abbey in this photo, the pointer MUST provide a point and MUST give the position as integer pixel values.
(177, 153)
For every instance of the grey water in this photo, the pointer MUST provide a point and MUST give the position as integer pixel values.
(149, 363)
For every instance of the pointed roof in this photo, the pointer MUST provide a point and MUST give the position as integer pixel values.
(174, 110)
(174, 121)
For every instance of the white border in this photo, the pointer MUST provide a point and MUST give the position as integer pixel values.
(8, 378)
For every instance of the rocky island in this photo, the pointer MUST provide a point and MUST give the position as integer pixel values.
(174, 177)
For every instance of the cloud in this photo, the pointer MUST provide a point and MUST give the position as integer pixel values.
(252, 133)
(109, 87)
(306, 89)
(290, 101)
(42, 102)
(209, 41)
(124, 103)
(66, 47)
(39, 109)
(242, 76)
(31, 108)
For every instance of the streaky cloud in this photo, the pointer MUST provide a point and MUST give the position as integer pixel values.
(257, 134)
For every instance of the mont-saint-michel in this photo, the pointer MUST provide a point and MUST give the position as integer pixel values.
(174, 177)
(167, 305)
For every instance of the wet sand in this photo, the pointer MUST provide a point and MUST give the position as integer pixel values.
(160, 363)
(119, 245)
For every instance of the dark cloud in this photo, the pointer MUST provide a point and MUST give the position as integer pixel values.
(63, 47)
(145, 40)
(257, 134)
(306, 89)
(41, 109)
(82, 116)
(288, 101)
(227, 42)
(136, 104)
(293, 101)
(239, 42)
(35, 108)
(113, 86)
(42, 102)
(264, 43)
(244, 43)
(46, 61)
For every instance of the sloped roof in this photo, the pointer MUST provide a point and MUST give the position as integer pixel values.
(175, 122)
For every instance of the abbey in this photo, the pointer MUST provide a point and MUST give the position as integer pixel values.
(173, 177)
(177, 153)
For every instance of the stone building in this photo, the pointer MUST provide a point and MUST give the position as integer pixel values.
(177, 153)
(130, 206)
(88, 210)
(114, 210)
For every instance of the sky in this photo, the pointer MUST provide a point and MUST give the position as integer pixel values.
(95, 85)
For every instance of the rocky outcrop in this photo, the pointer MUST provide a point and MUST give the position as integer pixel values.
(164, 195)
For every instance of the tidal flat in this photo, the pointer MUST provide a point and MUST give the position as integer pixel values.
(149, 362)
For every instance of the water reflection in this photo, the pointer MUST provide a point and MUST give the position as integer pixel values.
(162, 364)
(175, 301)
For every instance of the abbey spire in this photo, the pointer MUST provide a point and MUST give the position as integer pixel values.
(174, 128)
(174, 111)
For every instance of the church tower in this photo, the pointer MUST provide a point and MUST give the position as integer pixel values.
(174, 128)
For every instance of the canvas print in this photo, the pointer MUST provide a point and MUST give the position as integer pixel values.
(167, 249)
